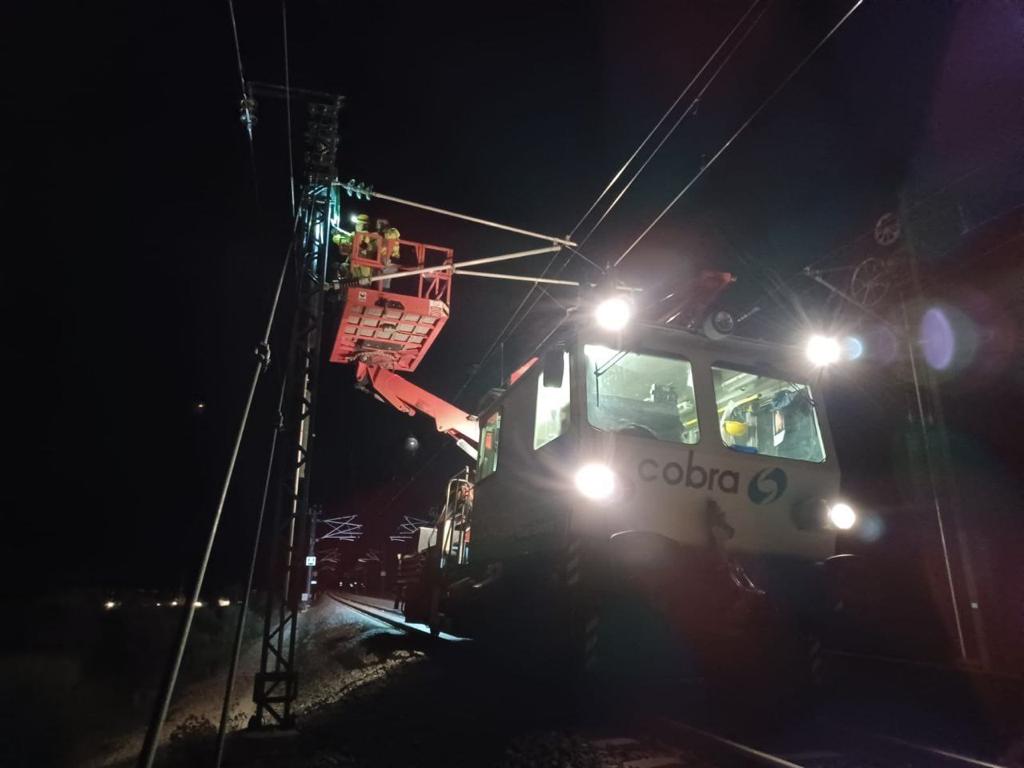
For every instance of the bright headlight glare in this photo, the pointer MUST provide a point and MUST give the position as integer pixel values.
(842, 516)
(613, 313)
(595, 481)
(823, 350)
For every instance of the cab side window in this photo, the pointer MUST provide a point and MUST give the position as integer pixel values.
(489, 434)
(552, 417)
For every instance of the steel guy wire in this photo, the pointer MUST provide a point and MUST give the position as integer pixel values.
(740, 130)
(152, 739)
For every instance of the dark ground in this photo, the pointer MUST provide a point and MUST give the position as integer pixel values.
(371, 696)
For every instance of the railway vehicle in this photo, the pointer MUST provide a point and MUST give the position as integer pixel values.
(630, 475)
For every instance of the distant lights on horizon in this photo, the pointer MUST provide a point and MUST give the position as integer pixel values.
(222, 602)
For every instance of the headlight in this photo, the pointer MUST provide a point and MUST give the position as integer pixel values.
(823, 350)
(595, 481)
(613, 314)
(842, 516)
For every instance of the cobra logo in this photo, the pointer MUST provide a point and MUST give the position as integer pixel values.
(767, 486)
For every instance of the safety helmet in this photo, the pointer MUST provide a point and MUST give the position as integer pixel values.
(735, 428)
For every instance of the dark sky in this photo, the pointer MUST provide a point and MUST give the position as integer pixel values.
(143, 256)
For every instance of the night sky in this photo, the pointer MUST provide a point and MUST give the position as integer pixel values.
(143, 253)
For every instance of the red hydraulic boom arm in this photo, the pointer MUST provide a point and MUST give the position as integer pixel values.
(409, 398)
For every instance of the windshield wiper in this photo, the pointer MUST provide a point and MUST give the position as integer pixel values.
(601, 371)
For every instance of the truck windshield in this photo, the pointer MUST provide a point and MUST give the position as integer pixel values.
(642, 395)
(759, 414)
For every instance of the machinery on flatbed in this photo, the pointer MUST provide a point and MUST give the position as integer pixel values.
(649, 465)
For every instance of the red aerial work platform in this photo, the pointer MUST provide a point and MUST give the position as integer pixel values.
(387, 329)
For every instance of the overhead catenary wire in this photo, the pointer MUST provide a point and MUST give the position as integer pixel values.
(689, 109)
(725, 146)
(516, 318)
(152, 739)
(257, 536)
(743, 126)
(661, 120)
(248, 117)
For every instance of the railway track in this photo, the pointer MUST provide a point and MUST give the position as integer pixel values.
(671, 742)
(388, 616)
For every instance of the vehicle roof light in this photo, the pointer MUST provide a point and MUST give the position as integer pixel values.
(613, 313)
(823, 350)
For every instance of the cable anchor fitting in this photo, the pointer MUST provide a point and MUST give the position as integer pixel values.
(247, 112)
(263, 354)
(358, 190)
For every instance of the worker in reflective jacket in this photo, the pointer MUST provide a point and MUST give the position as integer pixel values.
(344, 242)
(359, 271)
(389, 253)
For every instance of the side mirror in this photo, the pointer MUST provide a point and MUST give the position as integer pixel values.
(553, 368)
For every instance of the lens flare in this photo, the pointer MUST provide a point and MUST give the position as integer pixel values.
(853, 348)
(938, 342)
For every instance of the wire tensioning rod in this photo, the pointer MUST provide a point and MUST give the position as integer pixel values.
(361, 190)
